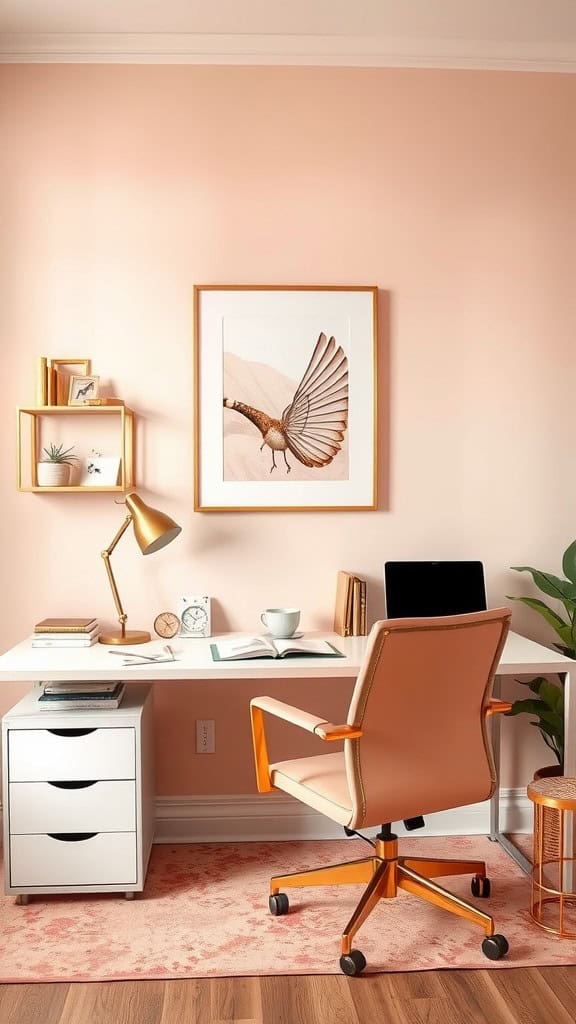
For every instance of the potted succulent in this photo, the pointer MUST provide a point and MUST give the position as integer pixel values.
(54, 469)
(547, 706)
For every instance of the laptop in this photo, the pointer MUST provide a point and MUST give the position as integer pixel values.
(421, 589)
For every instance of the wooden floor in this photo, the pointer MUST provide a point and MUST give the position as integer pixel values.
(512, 996)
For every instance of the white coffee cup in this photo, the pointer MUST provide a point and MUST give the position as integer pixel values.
(281, 622)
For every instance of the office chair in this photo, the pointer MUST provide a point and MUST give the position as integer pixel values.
(416, 741)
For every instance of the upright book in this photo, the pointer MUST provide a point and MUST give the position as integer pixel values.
(343, 605)
(350, 606)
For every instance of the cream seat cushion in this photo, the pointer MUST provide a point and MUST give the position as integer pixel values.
(319, 782)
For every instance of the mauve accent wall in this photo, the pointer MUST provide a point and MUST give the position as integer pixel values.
(454, 192)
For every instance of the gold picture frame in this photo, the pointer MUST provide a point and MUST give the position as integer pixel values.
(82, 387)
(285, 398)
(58, 378)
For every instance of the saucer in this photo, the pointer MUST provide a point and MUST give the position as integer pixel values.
(295, 636)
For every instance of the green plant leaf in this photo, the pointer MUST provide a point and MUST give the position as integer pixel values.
(568, 652)
(569, 562)
(568, 634)
(527, 707)
(550, 742)
(552, 617)
(549, 584)
(60, 455)
(553, 720)
(553, 696)
(548, 730)
(534, 684)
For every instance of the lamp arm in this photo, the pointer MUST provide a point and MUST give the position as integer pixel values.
(106, 556)
(120, 534)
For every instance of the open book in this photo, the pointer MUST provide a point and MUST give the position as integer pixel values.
(263, 647)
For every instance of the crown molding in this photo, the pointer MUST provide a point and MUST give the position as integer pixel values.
(284, 50)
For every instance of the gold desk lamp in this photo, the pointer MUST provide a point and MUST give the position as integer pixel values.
(153, 530)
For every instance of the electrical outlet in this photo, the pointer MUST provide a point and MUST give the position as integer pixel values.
(205, 736)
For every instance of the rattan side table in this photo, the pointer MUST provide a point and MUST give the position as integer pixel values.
(552, 895)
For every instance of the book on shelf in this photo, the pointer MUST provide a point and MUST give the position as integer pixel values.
(84, 700)
(350, 605)
(66, 625)
(68, 641)
(81, 687)
(262, 647)
(363, 608)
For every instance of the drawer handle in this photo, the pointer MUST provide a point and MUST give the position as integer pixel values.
(72, 837)
(71, 732)
(72, 785)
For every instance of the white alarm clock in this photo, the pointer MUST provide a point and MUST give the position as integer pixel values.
(194, 616)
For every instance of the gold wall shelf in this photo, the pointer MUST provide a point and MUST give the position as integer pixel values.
(28, 432)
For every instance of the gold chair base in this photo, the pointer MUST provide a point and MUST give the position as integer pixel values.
(385, 872)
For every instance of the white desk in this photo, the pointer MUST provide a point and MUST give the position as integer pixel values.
(520, 657)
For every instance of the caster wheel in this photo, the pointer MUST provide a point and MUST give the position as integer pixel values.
(278, 904)
(353, 963)
(129, 895)
(494, 947)
(22, 900)
(480, 886)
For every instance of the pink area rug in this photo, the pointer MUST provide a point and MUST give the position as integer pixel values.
(204, 913)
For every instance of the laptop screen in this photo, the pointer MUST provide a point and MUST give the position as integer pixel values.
(415, 589)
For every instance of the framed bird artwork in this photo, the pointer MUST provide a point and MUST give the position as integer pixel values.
(285, 397)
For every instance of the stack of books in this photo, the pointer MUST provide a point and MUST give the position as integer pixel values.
(80, 696)
(350, 608)
(65, 633)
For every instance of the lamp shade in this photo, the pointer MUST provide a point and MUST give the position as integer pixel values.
(152, 529)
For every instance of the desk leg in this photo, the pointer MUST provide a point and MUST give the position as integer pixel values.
(495, 798)
(569, 728)
(495, 834)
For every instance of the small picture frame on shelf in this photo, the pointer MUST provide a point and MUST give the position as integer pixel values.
(82, 388)
(100, 471)
(58, 373)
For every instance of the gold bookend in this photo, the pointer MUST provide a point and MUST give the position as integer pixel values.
(41, 381)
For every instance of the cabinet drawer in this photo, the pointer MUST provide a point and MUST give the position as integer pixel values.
(108, 858)
(96, 807)
(56, 755)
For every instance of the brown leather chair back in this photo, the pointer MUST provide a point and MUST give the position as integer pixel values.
(420, 700)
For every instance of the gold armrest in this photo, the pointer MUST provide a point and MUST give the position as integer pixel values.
(329, 732)
(295, 716)
(497, 707)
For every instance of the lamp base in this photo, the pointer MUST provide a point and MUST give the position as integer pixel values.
(131, 636)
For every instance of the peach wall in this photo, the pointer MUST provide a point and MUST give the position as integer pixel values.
(453, 192)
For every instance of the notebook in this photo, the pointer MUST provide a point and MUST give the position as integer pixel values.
(421, 589)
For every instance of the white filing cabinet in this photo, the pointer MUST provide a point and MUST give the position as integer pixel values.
(78, 795)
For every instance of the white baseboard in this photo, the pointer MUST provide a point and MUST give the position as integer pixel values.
(274, 816)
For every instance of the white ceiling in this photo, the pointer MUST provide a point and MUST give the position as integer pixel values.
(517, 34)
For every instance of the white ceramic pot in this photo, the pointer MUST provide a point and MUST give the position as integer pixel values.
(53, 474)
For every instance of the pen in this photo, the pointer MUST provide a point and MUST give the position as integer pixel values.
(145, 657)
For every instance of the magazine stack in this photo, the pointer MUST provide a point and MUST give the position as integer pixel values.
(81, 696)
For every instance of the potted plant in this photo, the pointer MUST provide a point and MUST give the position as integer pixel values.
(547, 707)
(548, 704)
(54, 469)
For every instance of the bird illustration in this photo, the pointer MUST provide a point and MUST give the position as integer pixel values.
(313, 425)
